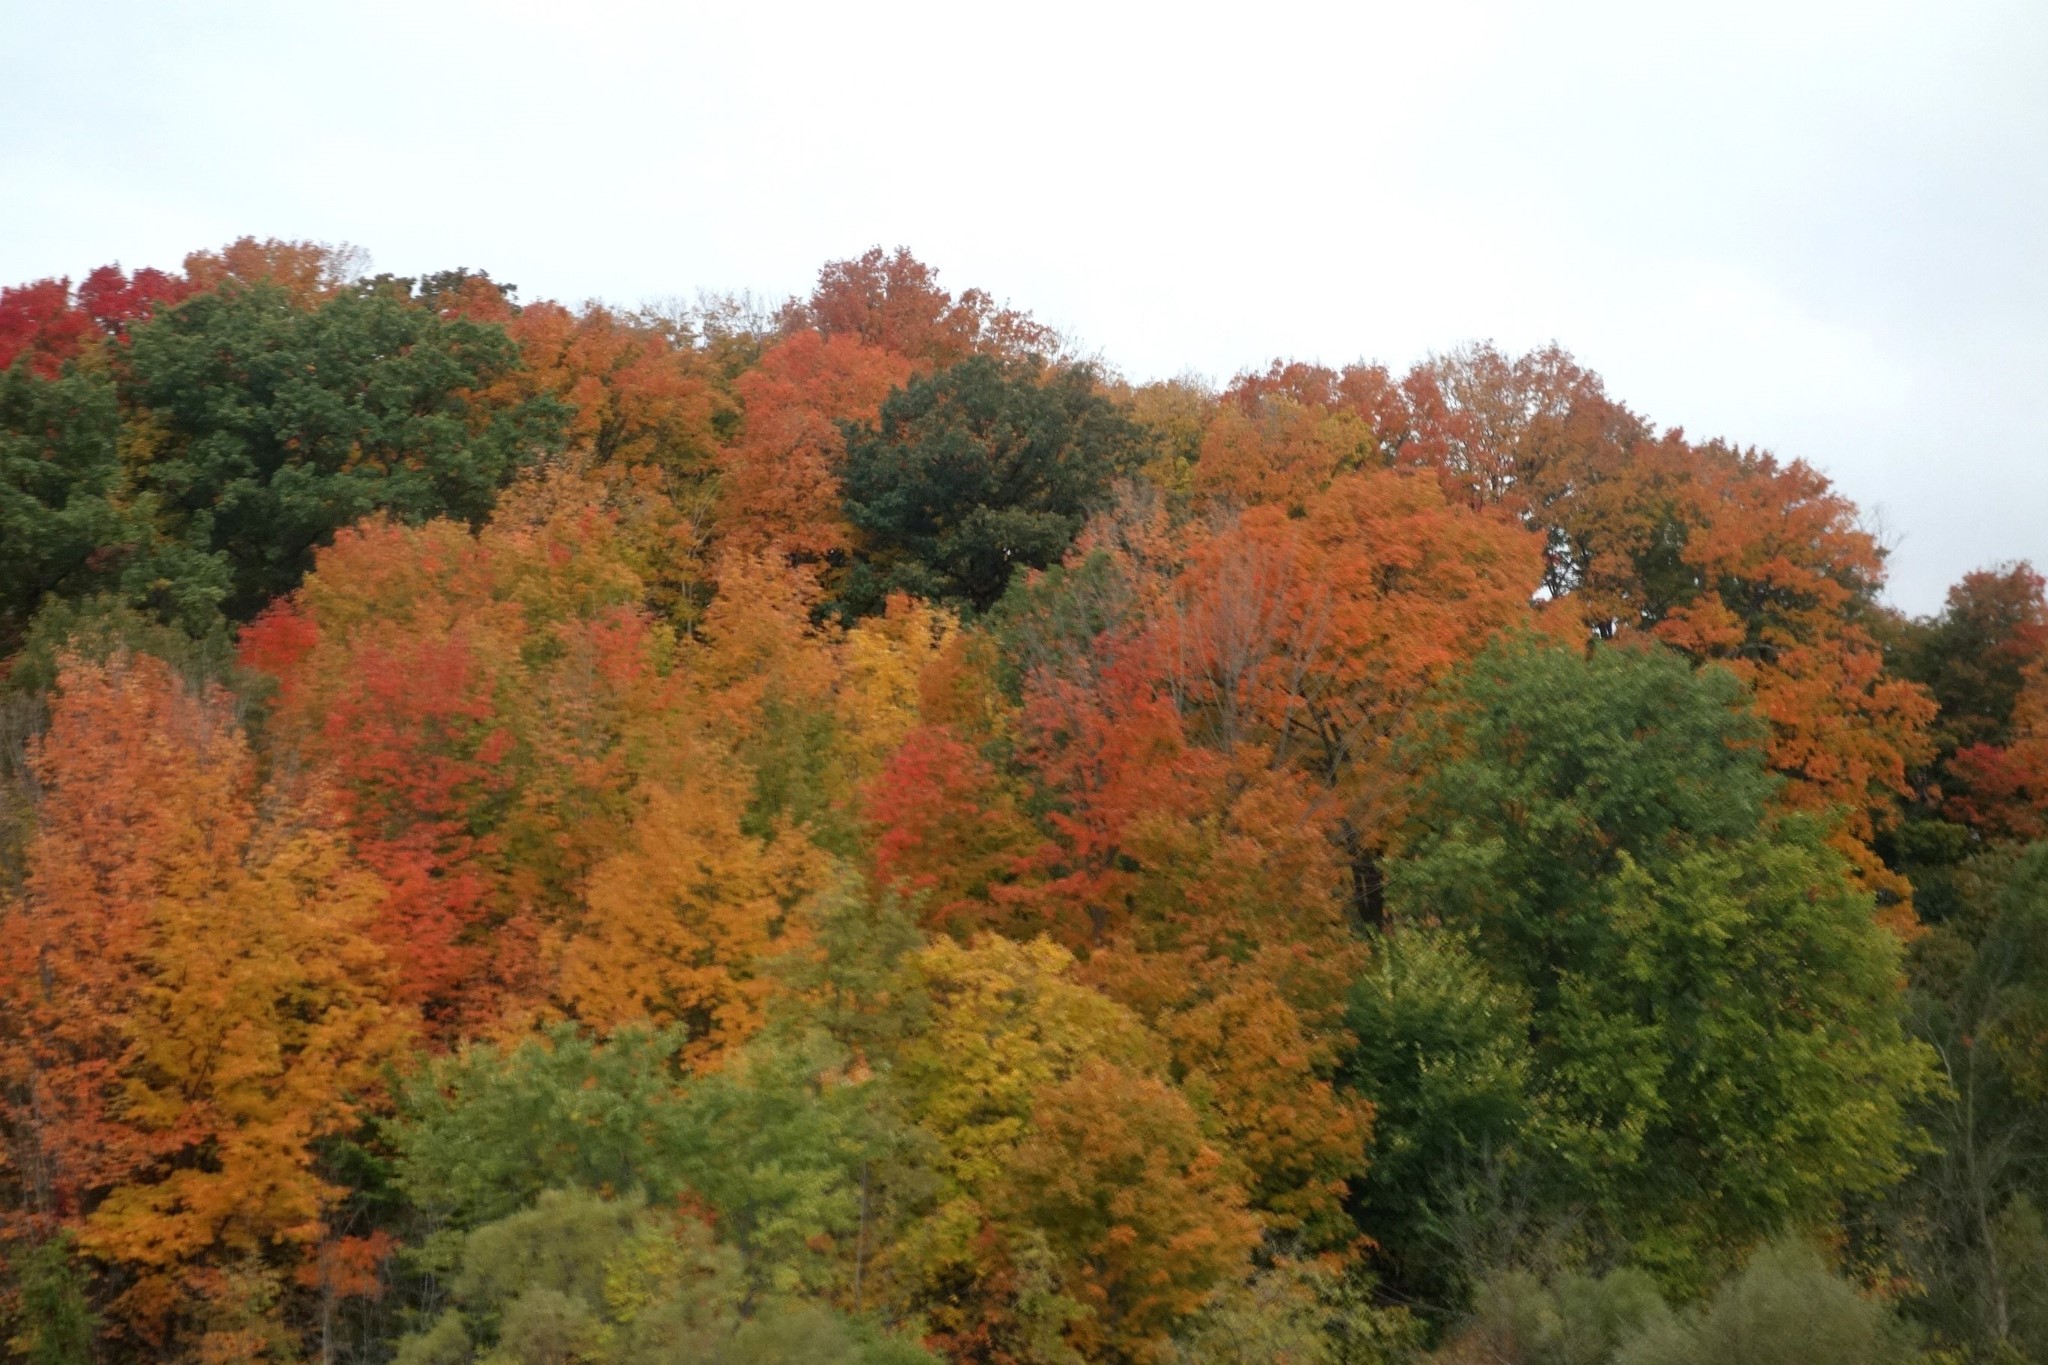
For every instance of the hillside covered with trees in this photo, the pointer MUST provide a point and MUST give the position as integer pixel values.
(847, 832)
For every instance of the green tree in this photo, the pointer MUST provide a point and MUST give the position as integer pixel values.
(766, 1141)
(1299, 1313)
(1572, 1319)
(102, 626)
(1443, 1051)
(53, 1323)
(612, 1282)
(480, 1134)
(1714, 1016)
(266, 425)
(975, 471)
(62, 530)
(1968, 1220)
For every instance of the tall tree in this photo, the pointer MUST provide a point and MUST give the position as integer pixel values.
(634, 397)
(1983, 659)
(490, 705)
(1314, 635)
(2003, 790)
(1137, 1208)
(1729, 555)
(59, 470)
(1968, 1220)
(40, 327)
(1715, 1024)
(1972, 657)
(194, 1004)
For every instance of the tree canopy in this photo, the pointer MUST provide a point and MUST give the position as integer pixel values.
(836, 832)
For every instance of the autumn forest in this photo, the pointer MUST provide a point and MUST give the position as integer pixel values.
(846, 830)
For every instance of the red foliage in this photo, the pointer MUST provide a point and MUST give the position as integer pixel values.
(945, 827)
(117, 301)
(415, 739)
(39, 321)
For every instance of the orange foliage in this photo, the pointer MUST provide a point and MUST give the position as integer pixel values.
(423, 757)
(1138, 1208)
(1313, 636)
(1280, 452)
(1315, 633)
(490, 704)
(1212, 904)
(194, 1000)
(675, 924)
(572, 764)
(1729, 556)
(945, 830)
(1781, 562)
(761, 649)
(125, 757)
(552, 799)
(893, 300)
(638, 400)
(308, 271)
(781, 485)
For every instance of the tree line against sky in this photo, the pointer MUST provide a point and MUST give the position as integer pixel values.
(846, 833)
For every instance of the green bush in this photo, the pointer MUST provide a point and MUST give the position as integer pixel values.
(1575, 1319)
(580, 1278)
(1300, 1313)
(1785, 1308)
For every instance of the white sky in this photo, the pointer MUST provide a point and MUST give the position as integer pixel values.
(1819, 228)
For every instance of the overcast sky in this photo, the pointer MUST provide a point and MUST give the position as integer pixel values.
(1818, 228)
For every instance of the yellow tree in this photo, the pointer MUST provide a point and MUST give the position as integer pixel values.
(254, 1019)
(675, 925)
(882, 668)
(1137, 1208)
(1006, 1021)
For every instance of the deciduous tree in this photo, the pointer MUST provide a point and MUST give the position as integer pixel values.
(274, 423)
(894, 301)
(194, 1000)
(1715, 1018)
(781, 479)
(975, 471)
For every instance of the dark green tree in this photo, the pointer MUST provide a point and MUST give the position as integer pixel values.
(59, 470)
(1969, 1220)
(975, 471)
(262, 427)
(1715, 1024)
